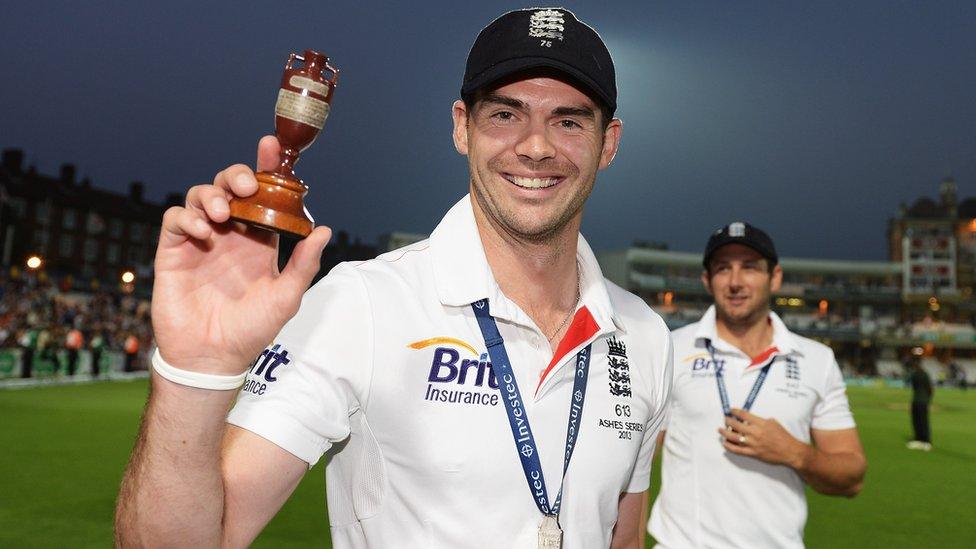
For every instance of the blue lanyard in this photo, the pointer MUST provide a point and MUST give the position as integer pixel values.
(518, 419)
(723, 394)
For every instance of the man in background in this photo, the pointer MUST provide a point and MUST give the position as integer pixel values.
(96, 345)
(757, 412)
(921, 399)
(28, 344)
(73, 342)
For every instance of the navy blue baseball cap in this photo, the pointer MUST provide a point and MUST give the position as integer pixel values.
(541, 38)
(741, 233)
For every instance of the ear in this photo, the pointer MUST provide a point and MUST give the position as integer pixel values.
(611, 140)
(706, 282)
(776, 279)
(460, 114)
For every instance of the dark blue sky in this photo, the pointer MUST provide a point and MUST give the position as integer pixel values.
(812, 120)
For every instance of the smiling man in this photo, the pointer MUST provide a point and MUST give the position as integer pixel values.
(483, 388)
(756, 413)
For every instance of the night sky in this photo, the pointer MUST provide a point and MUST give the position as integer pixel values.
(811, 120)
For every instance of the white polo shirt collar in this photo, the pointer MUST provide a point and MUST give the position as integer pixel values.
(783, 339)
(456, 243)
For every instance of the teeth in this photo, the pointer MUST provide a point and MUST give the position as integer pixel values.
(533, 182)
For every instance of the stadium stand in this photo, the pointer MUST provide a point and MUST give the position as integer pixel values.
(876, 315)
(936, 370)
(968, 366)
(40, 321)
(889, 368)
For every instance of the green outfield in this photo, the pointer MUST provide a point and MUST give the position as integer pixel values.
(62, 451)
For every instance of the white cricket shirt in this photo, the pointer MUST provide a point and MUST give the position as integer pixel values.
(384, 367)
(714, 498)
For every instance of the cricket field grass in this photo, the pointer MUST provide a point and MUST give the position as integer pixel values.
(63, 449)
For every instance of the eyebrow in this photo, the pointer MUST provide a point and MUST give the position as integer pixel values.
(584, 112)
(497, 99)
(504, 100)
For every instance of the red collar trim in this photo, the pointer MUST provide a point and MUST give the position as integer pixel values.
(582, 328)
(761, 357)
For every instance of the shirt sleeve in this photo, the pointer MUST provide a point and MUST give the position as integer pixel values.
(301, 391)
(672, 401)
(640, 479)
(832, 411)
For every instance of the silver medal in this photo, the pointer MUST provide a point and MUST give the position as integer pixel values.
(550, 535)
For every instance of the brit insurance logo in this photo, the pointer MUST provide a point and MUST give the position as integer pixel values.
(458, 373)
(262, 371)
(547, 25)
(619, 368)
(702, 365)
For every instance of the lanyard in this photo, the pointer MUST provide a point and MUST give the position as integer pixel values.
(518, 419)
(723, 394)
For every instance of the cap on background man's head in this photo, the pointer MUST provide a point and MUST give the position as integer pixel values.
(741, 233)
(541, 38)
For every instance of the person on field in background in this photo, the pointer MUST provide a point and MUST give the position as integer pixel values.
(46, 350)
(28, 346)
(73, 343)
(96, 345)
(757, 413)
(130, 347)
(957, 374)
(921, 401)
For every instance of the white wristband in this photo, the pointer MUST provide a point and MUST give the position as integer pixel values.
(195, 379)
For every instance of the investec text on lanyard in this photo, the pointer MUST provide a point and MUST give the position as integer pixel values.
(550, 535)
(723, 394)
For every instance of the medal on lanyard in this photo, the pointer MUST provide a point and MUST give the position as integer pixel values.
(723, 394)
(550, 535)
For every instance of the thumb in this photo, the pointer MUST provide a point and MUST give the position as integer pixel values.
(303, 264)
(269, 151)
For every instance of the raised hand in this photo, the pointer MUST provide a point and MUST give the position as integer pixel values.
(218, 297)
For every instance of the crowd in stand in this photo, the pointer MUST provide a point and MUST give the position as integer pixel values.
(53, 323)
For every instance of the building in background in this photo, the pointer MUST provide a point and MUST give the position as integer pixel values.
(935, 242)
(86, 237)
(874, 314)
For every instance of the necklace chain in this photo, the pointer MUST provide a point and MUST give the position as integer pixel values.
(571, 311)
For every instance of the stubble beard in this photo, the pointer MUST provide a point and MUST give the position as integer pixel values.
(750, 318)
(508, 220)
